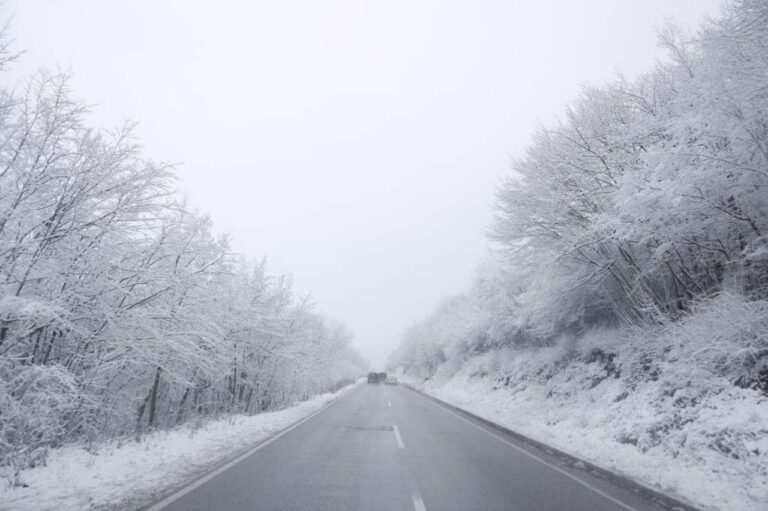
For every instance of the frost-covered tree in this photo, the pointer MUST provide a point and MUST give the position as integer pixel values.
(120, 308)
(648, 197)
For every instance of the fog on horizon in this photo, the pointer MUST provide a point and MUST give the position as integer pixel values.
(356, 145)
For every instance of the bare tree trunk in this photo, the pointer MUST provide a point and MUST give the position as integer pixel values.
(153, 401)
(182, 403)
(140, 415)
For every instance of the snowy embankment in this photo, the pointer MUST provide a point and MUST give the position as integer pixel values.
(665, 422)
(126, 475)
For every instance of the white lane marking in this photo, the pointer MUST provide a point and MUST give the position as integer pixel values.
(389, 403)
(543, 462)
(176, 496)
(418, 504)
(398, 438)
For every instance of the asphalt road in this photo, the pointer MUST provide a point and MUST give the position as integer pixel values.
(389, 448)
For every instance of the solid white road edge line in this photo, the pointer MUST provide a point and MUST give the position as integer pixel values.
(398, 438)
(530, 455)
(176, 496)
(418, 504)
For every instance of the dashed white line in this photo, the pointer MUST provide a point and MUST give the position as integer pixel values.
(398, 438)
(418, 504)
(389, 403)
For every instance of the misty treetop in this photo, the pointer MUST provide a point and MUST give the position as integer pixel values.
(120, 308)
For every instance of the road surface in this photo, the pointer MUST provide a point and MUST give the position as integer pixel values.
(389, 448)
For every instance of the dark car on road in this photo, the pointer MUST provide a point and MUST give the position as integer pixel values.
(377, 377)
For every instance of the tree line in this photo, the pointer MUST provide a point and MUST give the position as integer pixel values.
(647, 198)
(121, 309)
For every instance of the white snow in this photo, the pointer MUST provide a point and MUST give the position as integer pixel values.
(130, 474)
(713, 454)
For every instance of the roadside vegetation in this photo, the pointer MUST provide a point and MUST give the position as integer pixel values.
(121, 309)
(630, 284)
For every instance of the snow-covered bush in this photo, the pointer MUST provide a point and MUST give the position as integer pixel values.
(40, 406)
(727, 336)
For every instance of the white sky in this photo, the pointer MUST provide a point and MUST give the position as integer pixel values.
(356, 144)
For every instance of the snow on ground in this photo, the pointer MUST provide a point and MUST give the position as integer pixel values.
(131, 474)
(704, 441)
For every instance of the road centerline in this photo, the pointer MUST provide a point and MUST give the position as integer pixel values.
(418, 503)
(398, 438)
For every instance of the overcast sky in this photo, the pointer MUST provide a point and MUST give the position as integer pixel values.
(355, 144)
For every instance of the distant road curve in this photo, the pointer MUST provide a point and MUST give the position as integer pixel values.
(390, 448)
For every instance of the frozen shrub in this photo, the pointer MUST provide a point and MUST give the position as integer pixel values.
(39, 406)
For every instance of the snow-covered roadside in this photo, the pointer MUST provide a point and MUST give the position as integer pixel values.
(129, 475)
(589, 424)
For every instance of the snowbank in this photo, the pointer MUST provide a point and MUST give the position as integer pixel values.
(127, 475)
(663, 421)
